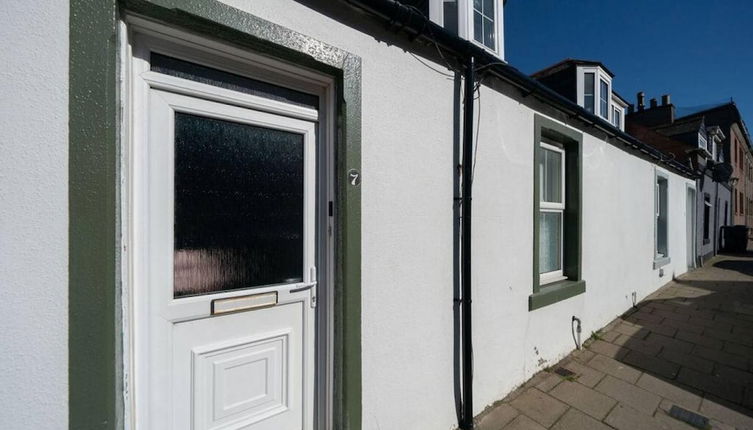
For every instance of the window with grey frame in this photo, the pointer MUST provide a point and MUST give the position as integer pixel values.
(557, 214)
(661, 209)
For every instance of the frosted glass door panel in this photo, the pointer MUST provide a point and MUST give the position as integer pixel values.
(238, 206)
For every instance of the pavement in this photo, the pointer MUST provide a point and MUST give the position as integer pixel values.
(681, 359)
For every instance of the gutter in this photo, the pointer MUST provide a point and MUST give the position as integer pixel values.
(419, 27)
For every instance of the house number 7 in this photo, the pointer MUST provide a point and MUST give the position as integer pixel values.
(354, 176)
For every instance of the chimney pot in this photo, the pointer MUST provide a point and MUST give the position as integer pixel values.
(665, 100)
(641, 100)
(653, 103)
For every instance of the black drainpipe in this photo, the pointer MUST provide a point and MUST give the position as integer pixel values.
(465, 255)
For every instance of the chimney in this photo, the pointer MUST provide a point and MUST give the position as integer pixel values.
(653, 103)
(665, 100)
(641, 100)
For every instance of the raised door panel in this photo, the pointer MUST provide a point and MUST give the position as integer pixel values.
(241, 371)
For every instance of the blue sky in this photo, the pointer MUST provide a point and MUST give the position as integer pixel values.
(699, 51)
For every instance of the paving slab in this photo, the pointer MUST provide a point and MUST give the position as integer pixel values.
(624, 417)
(608, 349)
(497, 418)
(615, 368)
(583, 398)
(719, 410)
(688, 360)
(652, 364)
(585, 375)
(539, 406)
(681, 396)
(721, 357)
(577, 420)
(713, 384)
(629, 394)
(738, 349)
(549, 381)
(522, 422)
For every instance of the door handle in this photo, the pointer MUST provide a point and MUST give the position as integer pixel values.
(308, 286)
(303, 287)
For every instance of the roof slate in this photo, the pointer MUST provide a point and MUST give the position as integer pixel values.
(569, 62)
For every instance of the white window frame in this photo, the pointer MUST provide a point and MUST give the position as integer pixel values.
(617, 110)
(465, 22)
(608, 98)
(553, 207)
(599, 75)
(661, 259)
(702, 138)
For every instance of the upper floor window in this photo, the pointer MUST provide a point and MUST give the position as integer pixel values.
(484, 26)
(479, 21)
(594, 91)
(604, 99)
(589, 91)
(617, 117)
(702, 143)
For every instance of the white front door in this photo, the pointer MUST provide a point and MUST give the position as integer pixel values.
(224, 208)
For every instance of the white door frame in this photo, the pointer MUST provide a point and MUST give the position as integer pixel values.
(140, 37)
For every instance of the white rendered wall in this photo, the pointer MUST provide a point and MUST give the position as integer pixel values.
(407, 198)
(34, 214)
(511, 343)
(407, 267)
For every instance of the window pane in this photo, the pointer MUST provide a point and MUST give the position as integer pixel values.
(550, 242)
(489, 8)
(478, 27)
(477, 5)
(451, 16)
(604, 99)
(219, 78)
(238, 206)
(588, 91)
(489, 33)
(550, 168)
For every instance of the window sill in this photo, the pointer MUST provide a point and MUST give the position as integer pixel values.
(661, 262)
(555, 292)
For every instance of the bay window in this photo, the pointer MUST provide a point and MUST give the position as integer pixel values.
(480, 21)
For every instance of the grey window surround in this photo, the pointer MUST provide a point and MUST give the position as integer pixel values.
(549, 131)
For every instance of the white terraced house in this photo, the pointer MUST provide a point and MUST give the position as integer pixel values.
(288, 215)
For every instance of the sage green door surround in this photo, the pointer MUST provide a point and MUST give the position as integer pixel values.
(96, 353)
